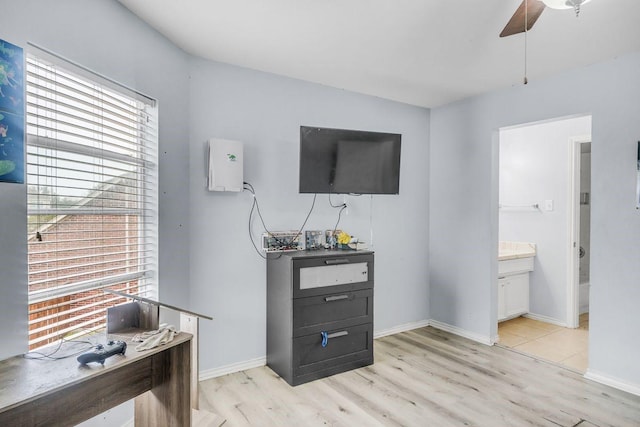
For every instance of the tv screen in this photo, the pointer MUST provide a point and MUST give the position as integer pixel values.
(349, 161)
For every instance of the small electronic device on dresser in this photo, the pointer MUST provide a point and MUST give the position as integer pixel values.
(319, 313)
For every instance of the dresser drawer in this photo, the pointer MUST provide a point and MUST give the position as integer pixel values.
(345, 348)
(332, 311)
(324, 275)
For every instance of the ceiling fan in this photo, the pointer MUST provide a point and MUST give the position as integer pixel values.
(530, 11)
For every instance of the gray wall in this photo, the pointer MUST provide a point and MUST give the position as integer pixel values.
(464, 214)
(265, 112)
(13, 264)
(535, 166)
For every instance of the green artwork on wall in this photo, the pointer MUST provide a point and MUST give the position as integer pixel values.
(11, 113)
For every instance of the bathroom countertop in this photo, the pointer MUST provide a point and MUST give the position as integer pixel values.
(514, 250)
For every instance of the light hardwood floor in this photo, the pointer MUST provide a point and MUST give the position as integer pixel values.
(425, 377)
(568, 347)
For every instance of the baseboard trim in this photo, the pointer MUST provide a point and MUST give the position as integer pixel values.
(401, 328)
(482, 339)
(232, 368)
(262, 361)
(612, 382)
(546, 319)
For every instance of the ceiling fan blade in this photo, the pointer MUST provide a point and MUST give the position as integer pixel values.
(516, 23)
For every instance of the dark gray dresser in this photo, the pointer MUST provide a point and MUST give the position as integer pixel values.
(319, 313)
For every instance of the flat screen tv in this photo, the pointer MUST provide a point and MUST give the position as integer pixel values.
(349, 161)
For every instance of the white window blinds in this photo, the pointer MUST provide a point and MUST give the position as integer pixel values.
(91, 198)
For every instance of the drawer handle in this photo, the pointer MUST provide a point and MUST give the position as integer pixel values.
(326, 336)
(336, 261)
(336, 298)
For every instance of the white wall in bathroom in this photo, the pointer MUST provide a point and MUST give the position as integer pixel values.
(534, 167)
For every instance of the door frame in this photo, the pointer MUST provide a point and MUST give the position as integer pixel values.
(573, 252)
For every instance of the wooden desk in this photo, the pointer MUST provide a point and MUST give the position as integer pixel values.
(63, 393)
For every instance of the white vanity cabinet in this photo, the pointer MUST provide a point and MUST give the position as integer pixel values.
(513, 296)
(515, 261)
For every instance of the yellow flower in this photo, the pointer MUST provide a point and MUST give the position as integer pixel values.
(343, 238)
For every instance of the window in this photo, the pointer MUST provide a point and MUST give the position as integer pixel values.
(91, 197)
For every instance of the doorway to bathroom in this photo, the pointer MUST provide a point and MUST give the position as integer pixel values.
(544, 204)
(578, 304)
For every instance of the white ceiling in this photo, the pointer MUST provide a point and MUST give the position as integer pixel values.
(421, 52)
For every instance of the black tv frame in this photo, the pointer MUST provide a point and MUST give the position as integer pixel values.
(376, 171)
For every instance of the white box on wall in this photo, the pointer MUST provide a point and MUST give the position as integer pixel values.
(225, 165)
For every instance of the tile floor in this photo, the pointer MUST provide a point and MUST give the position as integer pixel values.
(547, 341)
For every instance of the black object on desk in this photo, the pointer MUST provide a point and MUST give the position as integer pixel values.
(100, 352)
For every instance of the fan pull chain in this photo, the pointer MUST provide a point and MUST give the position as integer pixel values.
(577, 9)
(526, 22)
